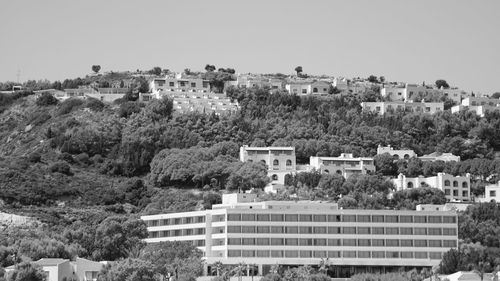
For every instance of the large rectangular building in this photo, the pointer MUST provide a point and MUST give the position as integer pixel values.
(345, 165)
(280, 161)
(292, 233)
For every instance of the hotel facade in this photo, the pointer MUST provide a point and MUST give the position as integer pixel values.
(292, 233)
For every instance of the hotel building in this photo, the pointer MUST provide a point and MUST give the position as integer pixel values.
(297, 233)
(280, 161)
(345, 165)
(384, 107)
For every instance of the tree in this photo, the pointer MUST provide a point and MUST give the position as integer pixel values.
(156, 71)
(246, 176)
(442, 83)
(26, 272)
(495, 95)
(46, 99)
(159, 109)
(210, 68)
(298, 69)
(96, 68)
(381, 79)
(130, 270)
(385, 164)
(239, 270)
(372, 79)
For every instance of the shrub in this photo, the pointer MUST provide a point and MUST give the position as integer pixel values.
(94, 104)
(69, 105)
(82, 158)
(46, 99)
(38, 117)
(128, 108)
(61, 167)
(97, 159)
(35, 157)
(66, 157)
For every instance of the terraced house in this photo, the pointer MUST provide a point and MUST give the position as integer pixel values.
(297, 233)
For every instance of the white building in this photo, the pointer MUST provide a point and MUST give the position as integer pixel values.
(345, 165)
(280, 161)
(308, 87)
(454, 188)
(267, 233)
(400, 106)
(440, 156)
(479, 105)
(159, 86)
(396, 153)
(63, 269)
(491, 192)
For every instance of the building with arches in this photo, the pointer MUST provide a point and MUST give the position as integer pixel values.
(454, 188)
(280, 161)
(396, 153)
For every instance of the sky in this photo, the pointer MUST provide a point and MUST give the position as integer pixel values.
(408, 41)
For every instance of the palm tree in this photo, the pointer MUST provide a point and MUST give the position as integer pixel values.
(217, 268)
(239, 270)
(323, 265)
(303, 272)
(275, 268)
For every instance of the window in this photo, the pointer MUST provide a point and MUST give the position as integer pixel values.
(455, 192)
(334, 254)
(449, 231)
(435, 219)
(276, 162)
(392, 242)
(262, 217)
(305, 218)
(234, 217)
(392, 255)
(276, 254)
(306, 242)
(276, 217)
(348, 242)
(291, 217)
(292, 229)
(262, 253)
(333, 230)
(291, 254)
(333, 242)
(406, 219)
(171, 84)
(465, 193)
(420, 243)
(349, 218)
(449, 219)
(274, 177)
(420, 219)
(320, 254)
(493, 193)
(378, 255)
(392, 231)
(449, 243)
(288, 163)
(447, 191)
(262, 229)
(182, 83)
(277, 241)
(349, 230)
(407, 255)
(377, 218)
(446, 183)
(410, 185)
(349, 254)
(291, 241)
(233, 229)
(391, 219)
(364, 254)
(262, 241)
(305, 229)
(276, 229)
(247, 241)
(234, 253)
(320, 218)
(434, 231)
(334, 218)
(464, 185)
(406, 243)
(319, 242)
(377, 230)
(435, 243)
(435, 255)
(406, 231)
(421, 255)
(305, 254)
(455, 183)
(420, 231)
(364, 230)
(364, 218)
(378, 242)
(320, 230)
(364, 242)
(247, 229)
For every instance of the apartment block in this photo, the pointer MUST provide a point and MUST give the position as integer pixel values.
(280, 161)
(454, 188)
(479, 105)
(168, 84)
(293, 233)
(345, 165)
(396, 153)
(400, 106)
(308, 87)
(491, 192)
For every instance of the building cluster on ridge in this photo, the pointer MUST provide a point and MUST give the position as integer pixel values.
(191, 93)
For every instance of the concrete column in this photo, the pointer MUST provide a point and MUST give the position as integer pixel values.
(205, 269)
(260, 270)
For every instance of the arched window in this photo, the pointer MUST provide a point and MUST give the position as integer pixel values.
(410, 185)
(339, 172)
(455, 183)
(274, 177)
(446, 183)
(289, 162)
(326, 171)
(406, 156)
(315, 90)
(263, 161)
(395, 157)
(464, 184)
(276, 162)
